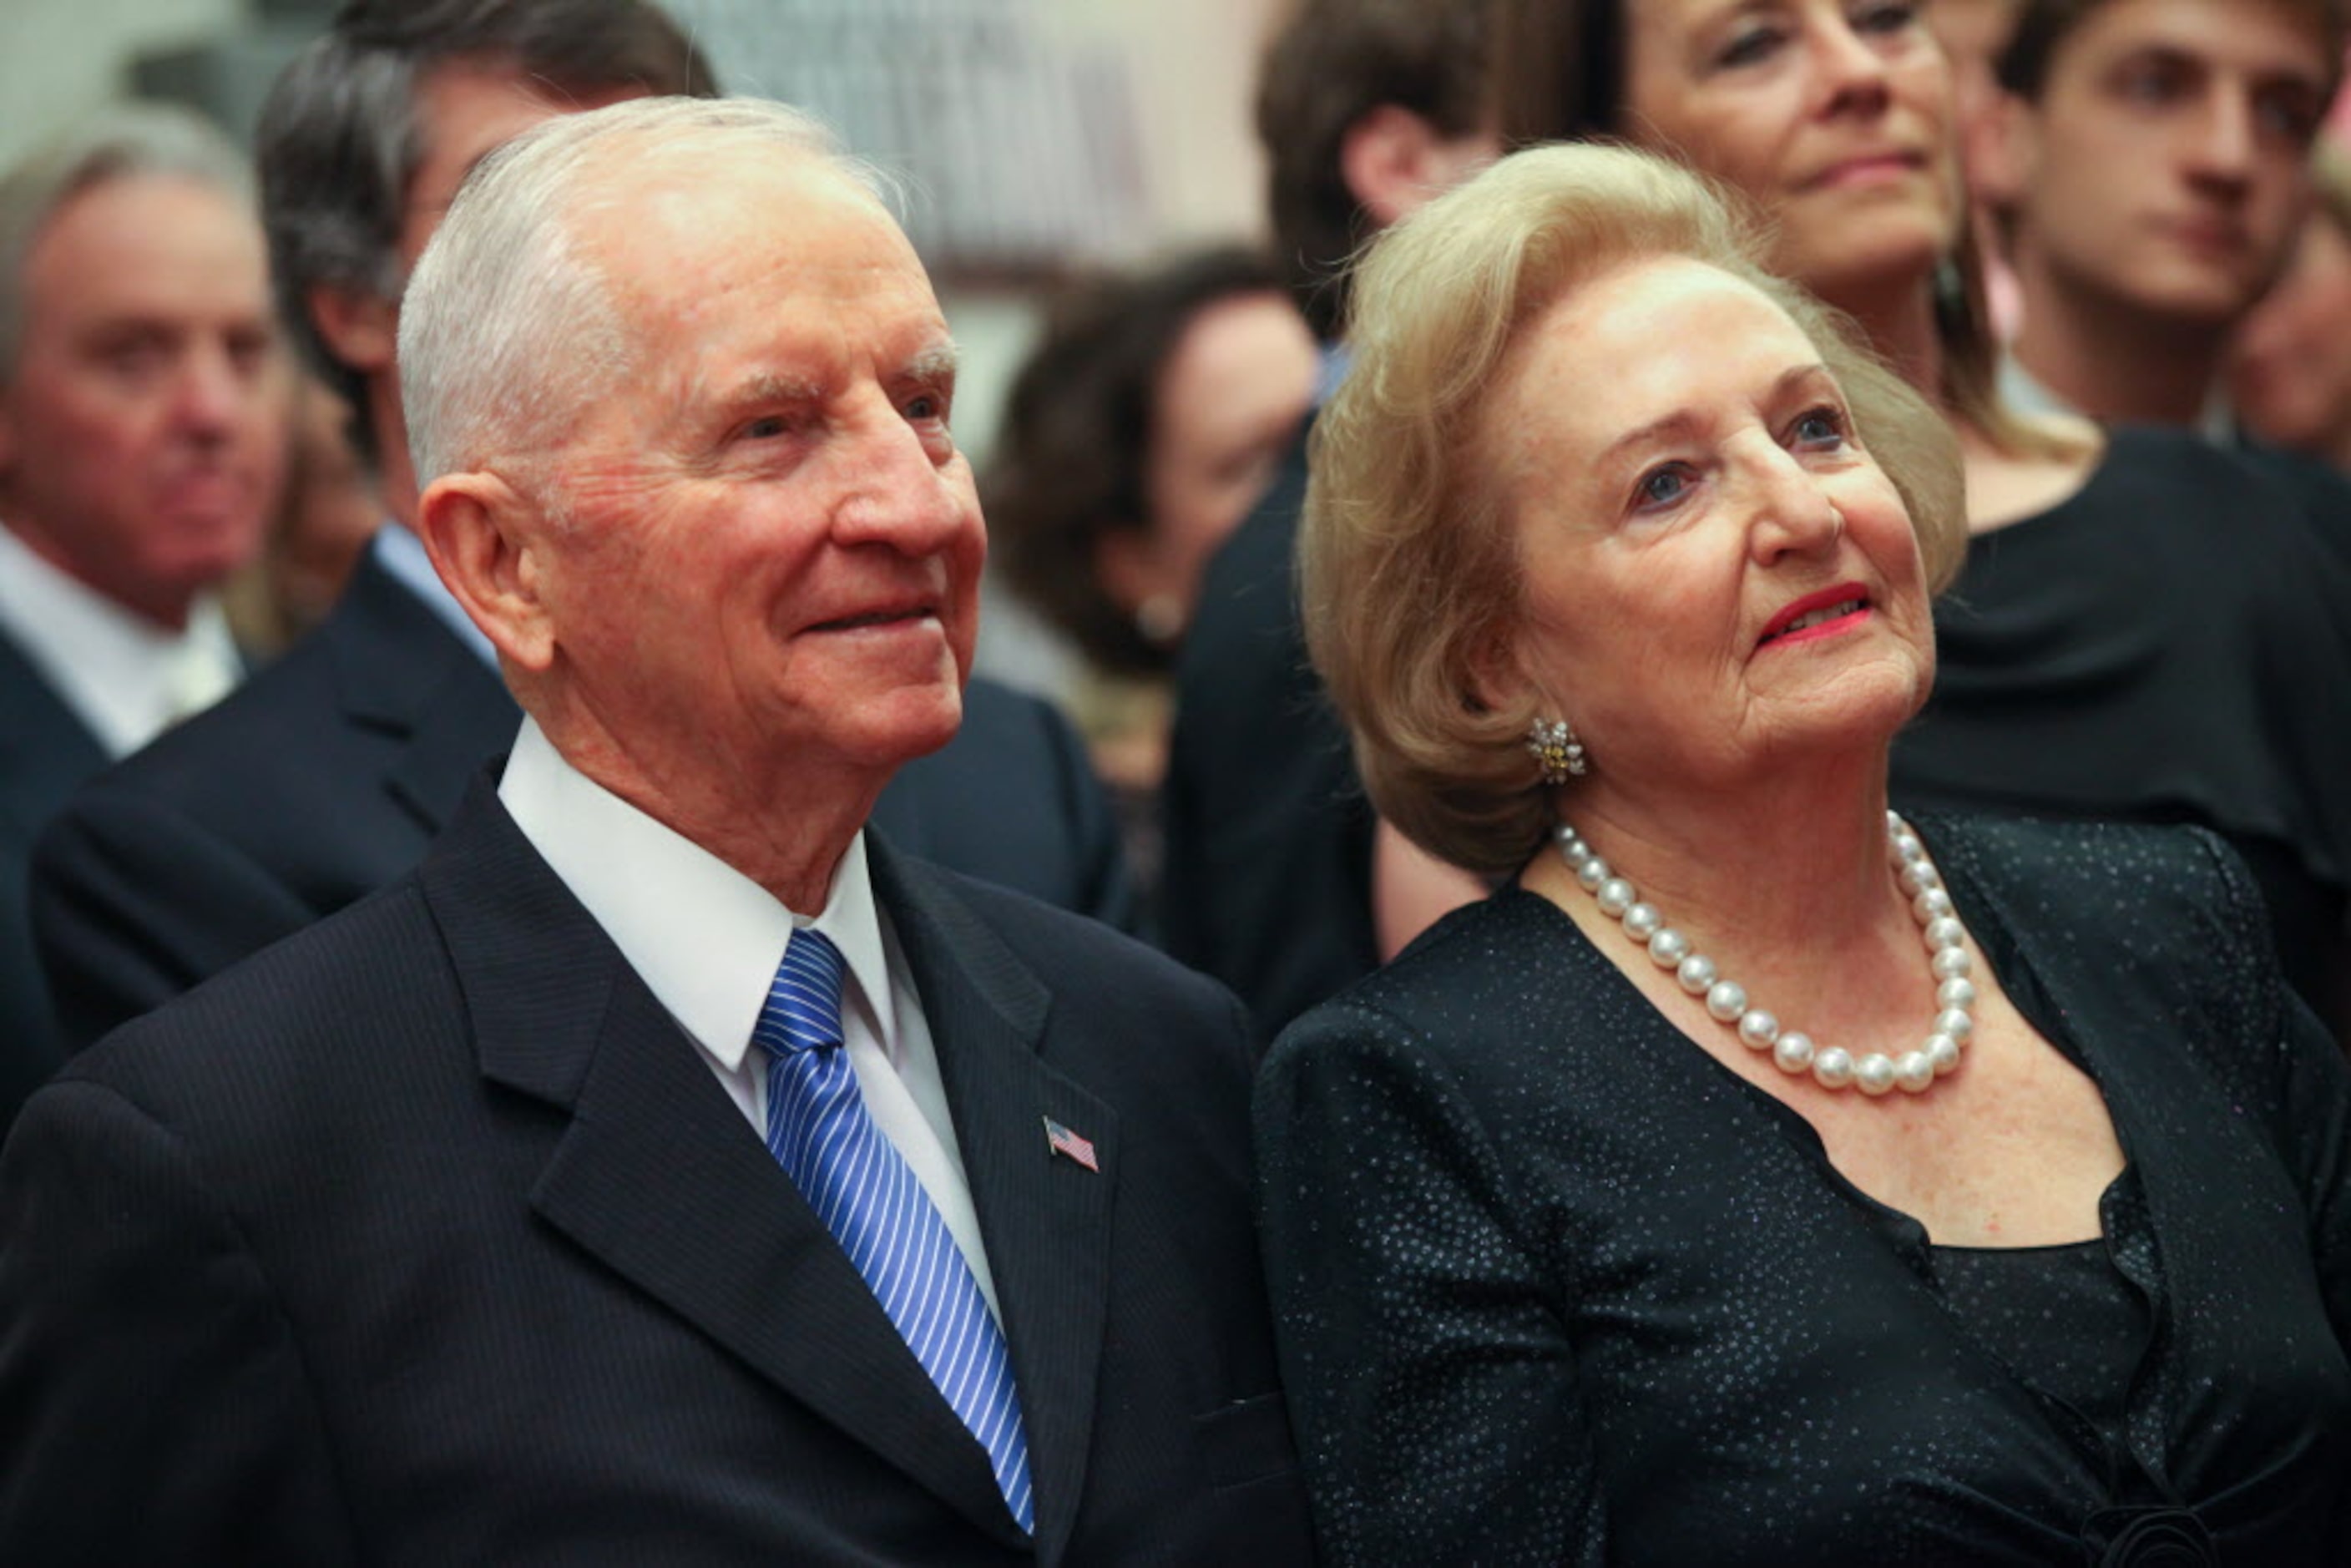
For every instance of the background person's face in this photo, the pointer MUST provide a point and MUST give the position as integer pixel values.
(143, 430)
(772, 551)
(1229, 403)
(1834, 116)
(2291, 374)
(2165, 165)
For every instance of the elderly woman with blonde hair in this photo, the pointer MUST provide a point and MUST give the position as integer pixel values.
(1758, 1177)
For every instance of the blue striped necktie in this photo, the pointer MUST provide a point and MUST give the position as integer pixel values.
(868, 1196)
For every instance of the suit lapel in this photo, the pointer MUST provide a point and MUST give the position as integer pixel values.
(1044, 1217)
(45, 751)
(659, 1177)
(400, 671)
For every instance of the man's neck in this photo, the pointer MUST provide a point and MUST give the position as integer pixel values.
(2114, 362)
(166, 611)
(395, 477)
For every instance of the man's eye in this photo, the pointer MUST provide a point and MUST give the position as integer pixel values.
(2292, 116)
(139, 358)
(766, 429)
(2154, 83)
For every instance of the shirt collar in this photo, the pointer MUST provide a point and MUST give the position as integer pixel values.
(124, 676)
(1336, 359)
(703, 938)
(403, 554)
(2026, 394)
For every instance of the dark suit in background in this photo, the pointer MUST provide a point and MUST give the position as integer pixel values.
(1269, 878)
(325, 778)
(45, 751)
(536, 1242)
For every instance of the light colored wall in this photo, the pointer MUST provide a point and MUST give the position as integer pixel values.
(60, 59)
(1194, 70)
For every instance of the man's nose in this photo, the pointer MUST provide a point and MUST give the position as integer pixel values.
(901, 494)
(214, 391)
(2225, 140)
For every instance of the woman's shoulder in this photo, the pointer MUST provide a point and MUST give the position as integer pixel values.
(1487, 966)
(2046, 859)
(2140, 893)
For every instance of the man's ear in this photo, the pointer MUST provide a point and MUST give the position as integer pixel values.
(486, 541)
(1394, 159)
(361, 327)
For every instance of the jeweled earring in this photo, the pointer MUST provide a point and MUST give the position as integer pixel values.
(1558, 754)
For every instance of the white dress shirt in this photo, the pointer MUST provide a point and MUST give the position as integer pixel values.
(707, 941)
(123, 675)
(404, 555)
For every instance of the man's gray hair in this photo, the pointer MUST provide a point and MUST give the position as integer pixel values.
(509, 326)
(117, 143)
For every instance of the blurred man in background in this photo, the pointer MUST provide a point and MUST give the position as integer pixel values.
(143, 417)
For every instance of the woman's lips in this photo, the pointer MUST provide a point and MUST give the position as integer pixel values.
(1822, 614)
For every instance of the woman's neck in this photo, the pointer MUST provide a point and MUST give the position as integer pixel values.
(1898, 316)
(1787, 879)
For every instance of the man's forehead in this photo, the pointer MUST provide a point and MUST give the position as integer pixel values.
(785, 224)
(2196, 29)
(120, 233)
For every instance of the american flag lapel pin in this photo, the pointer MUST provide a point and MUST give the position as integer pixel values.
(1070, 1146)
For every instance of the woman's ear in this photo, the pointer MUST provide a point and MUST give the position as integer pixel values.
(488, 541)
(1496, 678)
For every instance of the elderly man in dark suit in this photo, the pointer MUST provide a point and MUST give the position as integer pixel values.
(669, 1170)
(327, 777)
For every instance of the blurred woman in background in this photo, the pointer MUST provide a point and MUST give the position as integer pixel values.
(1146, 421)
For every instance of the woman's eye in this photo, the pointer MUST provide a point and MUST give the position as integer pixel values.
(1747, 47)
(1821, 426)
(1664, 487)
(1883, 18)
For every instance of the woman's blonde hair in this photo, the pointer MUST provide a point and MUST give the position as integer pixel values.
(1409, 565)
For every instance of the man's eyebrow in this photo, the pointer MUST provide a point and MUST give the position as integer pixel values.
(769, 386)
(937, 363)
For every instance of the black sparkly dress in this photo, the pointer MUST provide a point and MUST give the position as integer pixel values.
(1553, 1285)
(2172, 643)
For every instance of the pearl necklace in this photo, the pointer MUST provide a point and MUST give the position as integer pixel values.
(1831, 1067)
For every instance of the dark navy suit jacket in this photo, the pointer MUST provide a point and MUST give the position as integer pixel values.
(428, 1236)
(326, 776)
(45, 751)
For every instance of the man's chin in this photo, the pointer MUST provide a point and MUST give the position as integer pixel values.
(912, 724)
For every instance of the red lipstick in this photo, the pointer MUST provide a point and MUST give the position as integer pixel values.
(1822, 614)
